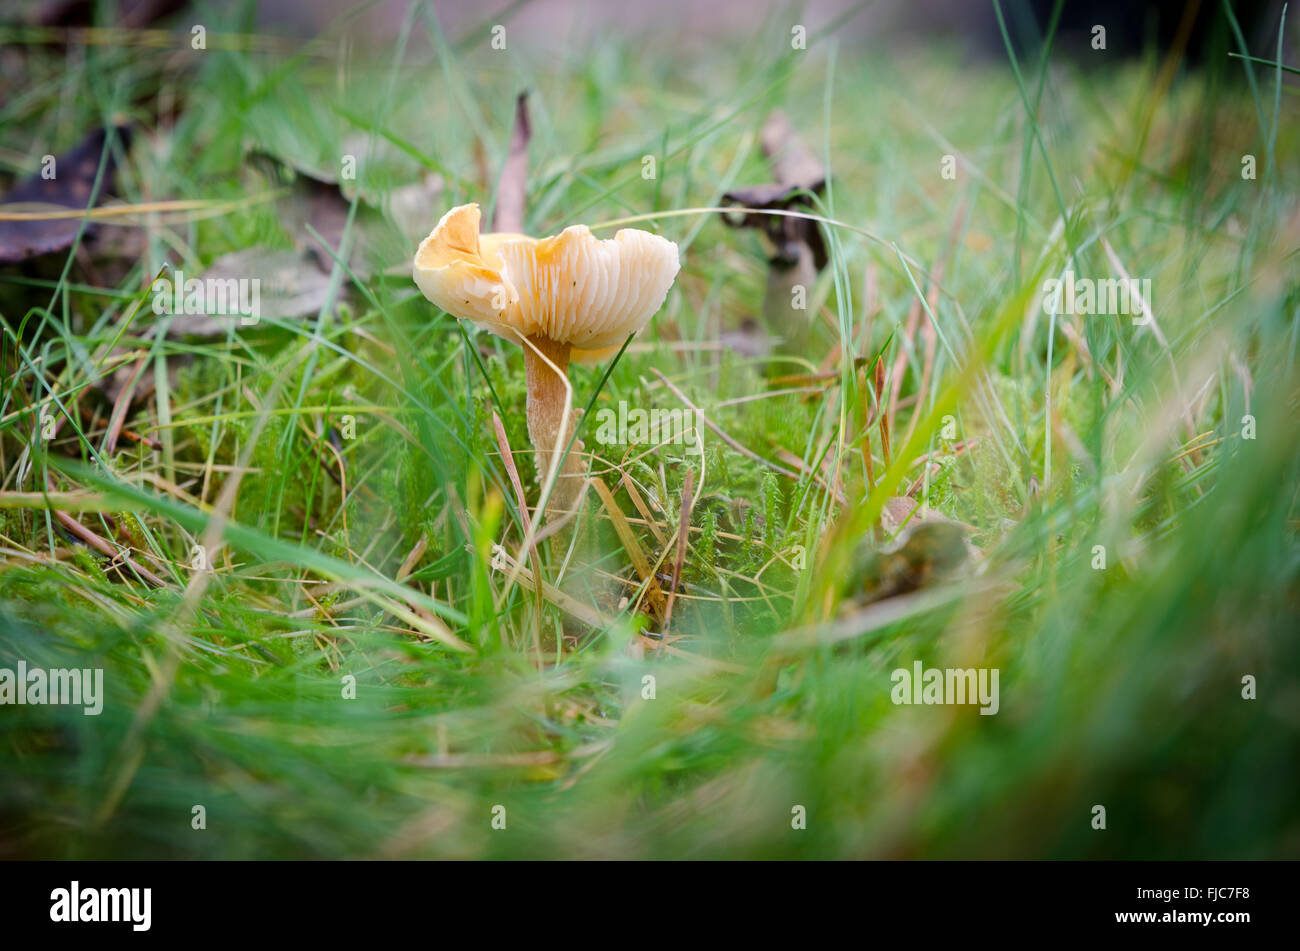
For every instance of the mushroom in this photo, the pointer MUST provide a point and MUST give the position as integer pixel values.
(567, 297)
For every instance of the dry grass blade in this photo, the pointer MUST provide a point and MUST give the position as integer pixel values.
(508, 459)
(569, 605)
(641, 507)
(512, 471)
(634, 550)
(887, 413)
(100, 545)
(683, 536)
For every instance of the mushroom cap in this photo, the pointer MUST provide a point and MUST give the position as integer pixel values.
(571, 288)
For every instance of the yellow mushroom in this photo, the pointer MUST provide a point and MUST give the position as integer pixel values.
(568, 297)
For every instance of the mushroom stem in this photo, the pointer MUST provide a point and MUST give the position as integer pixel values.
(548, 423)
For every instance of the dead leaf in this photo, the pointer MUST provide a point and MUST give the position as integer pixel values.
(929, 550)
(71, 187)
(414, 208)
(512, 187)
(316, 199)
(290, 287)
(132, 14)
(748, 340)
(796, 172)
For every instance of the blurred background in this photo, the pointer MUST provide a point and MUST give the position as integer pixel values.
(561, 24)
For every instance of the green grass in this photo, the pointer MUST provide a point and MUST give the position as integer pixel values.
(1120, 687)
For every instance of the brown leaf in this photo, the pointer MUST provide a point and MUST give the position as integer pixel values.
(796, 171)
(316, 198)
(72, 186)
(327, 213)
(794, 164)
(414, 208)
(290, 286)
(132, 14)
